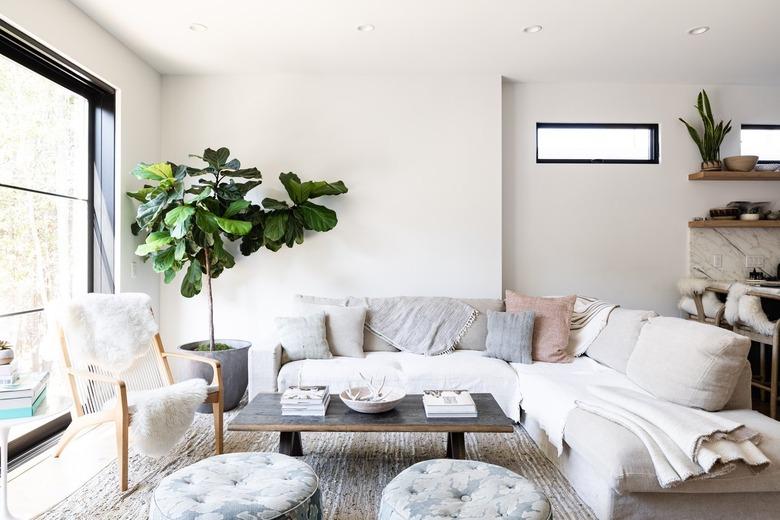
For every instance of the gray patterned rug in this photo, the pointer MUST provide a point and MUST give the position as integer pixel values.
(353, 469)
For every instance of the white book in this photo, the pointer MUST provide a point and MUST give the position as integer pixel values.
(304, 395)
(314, 411)
(449, 401)
(21, 402)
(28, 385)
(453, 415)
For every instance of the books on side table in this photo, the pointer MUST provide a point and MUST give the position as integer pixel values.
(22, 398)
(448, 403)
(305, 400)
(8, 374)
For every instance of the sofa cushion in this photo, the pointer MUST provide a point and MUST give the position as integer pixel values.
(627, 466)
(509, 336)
(551, 326)
(343, 326)
(337, 373)
(371, 342)
(687, 362)
(462, 369)
(476, 335)
(614, 345)
(303, 337)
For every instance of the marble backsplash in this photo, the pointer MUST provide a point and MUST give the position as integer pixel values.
(733, 246)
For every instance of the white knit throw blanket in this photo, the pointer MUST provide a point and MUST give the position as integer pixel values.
(108, 330)
(428, 326)
(683, 443)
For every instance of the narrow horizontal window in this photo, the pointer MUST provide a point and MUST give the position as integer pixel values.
(761, 140)
(597, 143)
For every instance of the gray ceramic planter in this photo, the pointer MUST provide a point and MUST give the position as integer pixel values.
(235, 375)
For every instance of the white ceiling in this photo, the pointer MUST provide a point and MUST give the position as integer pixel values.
(582, 40)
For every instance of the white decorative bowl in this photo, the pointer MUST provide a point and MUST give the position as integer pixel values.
(750, 216)
(390, 399)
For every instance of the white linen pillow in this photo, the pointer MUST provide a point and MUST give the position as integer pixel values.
(615, 343)
(343, 326)
(303, 337)
(687, 362)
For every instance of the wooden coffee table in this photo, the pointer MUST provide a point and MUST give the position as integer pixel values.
(264, 413)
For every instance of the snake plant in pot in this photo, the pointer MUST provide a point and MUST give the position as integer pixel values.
(188, 226)
(712, 135)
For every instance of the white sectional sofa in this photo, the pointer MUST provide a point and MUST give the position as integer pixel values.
(606, 463)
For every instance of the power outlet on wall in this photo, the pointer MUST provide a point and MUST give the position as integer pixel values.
(754, 261)
(717, 261)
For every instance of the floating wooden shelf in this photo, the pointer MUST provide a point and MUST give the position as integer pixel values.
(755, 175)
(734, 224)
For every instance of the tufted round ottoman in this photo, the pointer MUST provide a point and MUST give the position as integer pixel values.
(445, 488)
(256, 486)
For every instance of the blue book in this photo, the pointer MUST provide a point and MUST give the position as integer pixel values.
(29, 411)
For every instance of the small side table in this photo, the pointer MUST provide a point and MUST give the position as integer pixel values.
(51, 406)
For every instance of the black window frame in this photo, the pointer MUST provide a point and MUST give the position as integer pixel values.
(30, 53)
(759, 127)
(655, 143)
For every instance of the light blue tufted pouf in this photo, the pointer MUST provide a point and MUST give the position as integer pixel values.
(249, 486)
(446, 488)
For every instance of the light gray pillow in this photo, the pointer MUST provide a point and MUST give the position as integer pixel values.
(303, 337)
(343, 326)
(510, 335)
(616, 341)
(689, 363)
(476, 335)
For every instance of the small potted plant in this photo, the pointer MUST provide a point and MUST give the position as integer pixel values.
(6, 352)
(712, 136)
(187, 228)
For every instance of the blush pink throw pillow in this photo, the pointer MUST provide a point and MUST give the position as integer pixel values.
(551, 326)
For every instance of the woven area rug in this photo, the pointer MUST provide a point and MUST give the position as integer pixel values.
(353, 469)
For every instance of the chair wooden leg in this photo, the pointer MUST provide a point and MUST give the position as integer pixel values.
(122, 424)
(217, 409)
(773, 380)
(70, 433)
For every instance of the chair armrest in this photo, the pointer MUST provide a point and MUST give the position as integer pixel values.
(214, 363)
(265, 361)
(121, 387)
(96, 377)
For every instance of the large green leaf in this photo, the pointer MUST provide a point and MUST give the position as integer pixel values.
(316, 217)
(235, 207)
(179, 219)
(275, 225)
(163, 260)
(206, 221)
(149, 211)
(292, 184)
(234, 227)
(216, 158)
(181, 250)
(141, 195)
(193, 279)
(154, 242)
(320, 188)
(246, 173)
(230, 191)
(271, 204)
(154, 172)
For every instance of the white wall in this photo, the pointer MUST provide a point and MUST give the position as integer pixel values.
(70, 32)
(421, 157)
(614, 231)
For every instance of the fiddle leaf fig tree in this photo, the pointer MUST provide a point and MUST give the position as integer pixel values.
(187, 225)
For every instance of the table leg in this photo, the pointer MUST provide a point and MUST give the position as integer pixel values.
(5, 514)
(290, 444)
(456, 445)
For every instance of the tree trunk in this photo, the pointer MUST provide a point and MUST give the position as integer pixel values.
(212, 344)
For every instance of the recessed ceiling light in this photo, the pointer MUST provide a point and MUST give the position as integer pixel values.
(365, 28)
(695, 31)
(198, 27)
(533, 28)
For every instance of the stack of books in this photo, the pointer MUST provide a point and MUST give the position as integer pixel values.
(448, 403)
(305, 400)
(8, 374)
(23, 398)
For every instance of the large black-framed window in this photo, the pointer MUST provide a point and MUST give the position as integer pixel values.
(57, 171)
(597, 143)
(761, 140)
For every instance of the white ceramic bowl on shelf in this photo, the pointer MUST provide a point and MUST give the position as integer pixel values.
(390, 399)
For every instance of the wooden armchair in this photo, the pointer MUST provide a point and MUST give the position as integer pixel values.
(92, 388)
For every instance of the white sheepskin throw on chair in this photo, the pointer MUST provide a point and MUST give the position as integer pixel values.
(160, 417)
(109, 330)
(745, 308)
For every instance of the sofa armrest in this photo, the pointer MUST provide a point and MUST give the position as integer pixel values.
(742, 398)
(265, 360)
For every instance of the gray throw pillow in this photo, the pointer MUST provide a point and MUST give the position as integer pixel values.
(510, 335)
(303, 337)
(343, 326)
(616, 341)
